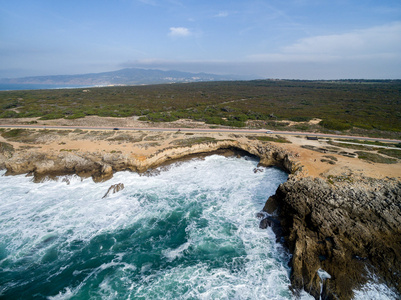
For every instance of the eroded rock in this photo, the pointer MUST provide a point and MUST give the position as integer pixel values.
(342, 230)
(102, 165)
(115, 188)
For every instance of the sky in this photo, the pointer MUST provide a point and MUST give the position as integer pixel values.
(284, 39)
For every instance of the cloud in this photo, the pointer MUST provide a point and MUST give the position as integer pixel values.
(296, 69)
(148, 2)
(381, 42)
(179, 32)
(222, 14)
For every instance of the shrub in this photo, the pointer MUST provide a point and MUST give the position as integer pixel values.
(300, 119)
(12, 104)
(391, 152)
(213, 120)
(376, 158)
(9, 114)
(193, 141)
(6, 148)
(52, 116)
(335, 125)
(75, 116)
(234, 123)
(12, 133)
(277, 139)
(30, 114)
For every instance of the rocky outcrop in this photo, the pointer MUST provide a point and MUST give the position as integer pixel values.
(6, 151)
(42, 164)
(344, 230)
(115, 188)
(101, 166)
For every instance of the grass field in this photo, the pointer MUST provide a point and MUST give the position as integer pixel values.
(362, 106)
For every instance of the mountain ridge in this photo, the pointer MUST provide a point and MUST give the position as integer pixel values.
(126, 76)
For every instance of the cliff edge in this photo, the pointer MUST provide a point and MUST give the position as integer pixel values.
(339, 223)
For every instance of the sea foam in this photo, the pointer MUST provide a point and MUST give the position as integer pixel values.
(188, 233)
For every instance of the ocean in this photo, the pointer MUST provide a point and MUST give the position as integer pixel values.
(17, 87)
(187, 231)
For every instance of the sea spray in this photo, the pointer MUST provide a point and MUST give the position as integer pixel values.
(188, 233)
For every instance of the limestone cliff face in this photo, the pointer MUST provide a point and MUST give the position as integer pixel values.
(342, 230)
(102, 165)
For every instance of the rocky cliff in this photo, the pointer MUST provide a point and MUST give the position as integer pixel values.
(343, 229)
(101, 166)
(348, 230)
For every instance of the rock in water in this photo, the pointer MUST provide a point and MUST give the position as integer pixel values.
(115, 188)
(266, 222)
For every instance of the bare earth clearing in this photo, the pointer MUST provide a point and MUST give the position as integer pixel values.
(145, 143)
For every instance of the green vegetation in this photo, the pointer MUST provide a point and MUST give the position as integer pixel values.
(33, 136)
(335, 125)
(330, 159)
(351, 146)
(115, 151)
(126, 137)
(376, 158)
(277, 139)
(391, 152)
(366, 145)
(342, 105)
(342, 178)
(193, 141)
(11, 104)
(8, 114)
(6, 148)
(75, 116)
(52, 116)
(79, 131)
(156, 137)
(13, 133)
(374, 143)
(331, 162)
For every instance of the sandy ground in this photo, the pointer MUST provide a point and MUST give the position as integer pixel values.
(96, 121)
(141, 144)
(344, 166)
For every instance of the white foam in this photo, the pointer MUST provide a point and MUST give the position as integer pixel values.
(323, 274)
(65, 294)
(375, 289)
(172, 254)
(40, 215)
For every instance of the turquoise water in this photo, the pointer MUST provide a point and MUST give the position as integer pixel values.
(188, 232)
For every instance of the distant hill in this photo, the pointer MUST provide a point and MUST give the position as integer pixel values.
(129, 76)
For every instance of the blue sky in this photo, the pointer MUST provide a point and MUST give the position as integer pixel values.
(296, 39)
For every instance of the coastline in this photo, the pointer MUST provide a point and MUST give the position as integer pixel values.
(325, 209)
